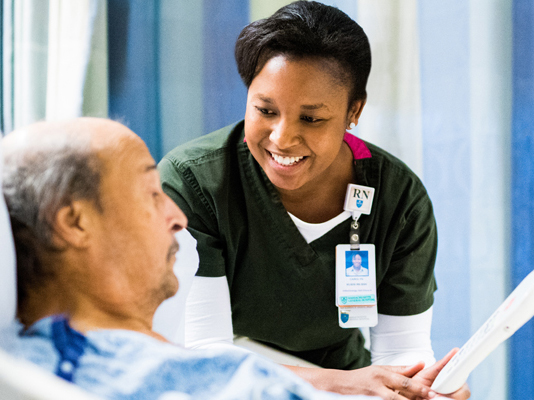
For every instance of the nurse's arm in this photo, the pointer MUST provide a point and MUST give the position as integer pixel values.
(402, 340)
(208, 314)
(383, 381)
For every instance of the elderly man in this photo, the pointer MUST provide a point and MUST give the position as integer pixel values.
(94, 235)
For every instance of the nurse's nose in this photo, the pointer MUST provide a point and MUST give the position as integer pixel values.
(283, 135)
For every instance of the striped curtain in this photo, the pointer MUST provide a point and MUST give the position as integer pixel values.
(24, 62)
(54, 60)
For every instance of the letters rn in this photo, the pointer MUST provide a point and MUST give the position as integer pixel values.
(360, 194)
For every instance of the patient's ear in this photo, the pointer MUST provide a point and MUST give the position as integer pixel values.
(71, 225)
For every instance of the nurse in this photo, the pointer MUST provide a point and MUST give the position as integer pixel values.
(356, 268)
(266, 202)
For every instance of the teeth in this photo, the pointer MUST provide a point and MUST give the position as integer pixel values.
(286, 160)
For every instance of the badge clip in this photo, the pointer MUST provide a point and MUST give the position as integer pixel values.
(358, 201)
(354, 238)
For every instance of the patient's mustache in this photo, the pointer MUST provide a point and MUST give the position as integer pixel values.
(173, 249)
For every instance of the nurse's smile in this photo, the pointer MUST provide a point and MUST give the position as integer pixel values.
(287, 161)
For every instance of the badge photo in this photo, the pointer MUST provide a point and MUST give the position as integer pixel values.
(357, 263)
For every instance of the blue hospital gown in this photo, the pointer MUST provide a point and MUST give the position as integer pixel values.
(123, 364)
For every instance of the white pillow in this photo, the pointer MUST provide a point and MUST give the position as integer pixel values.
(169, 319)
(7, 262)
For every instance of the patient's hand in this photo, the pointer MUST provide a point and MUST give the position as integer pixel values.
(428, 375)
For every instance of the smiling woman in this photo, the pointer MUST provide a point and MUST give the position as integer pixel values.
(265, 199)
(295, 122)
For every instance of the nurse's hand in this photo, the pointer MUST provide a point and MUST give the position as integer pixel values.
(387, 382)
(427, 377)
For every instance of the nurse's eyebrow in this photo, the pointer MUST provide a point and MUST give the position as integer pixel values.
(313, 106)
(264, 98)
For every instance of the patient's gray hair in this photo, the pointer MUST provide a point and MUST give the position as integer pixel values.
(43, 173)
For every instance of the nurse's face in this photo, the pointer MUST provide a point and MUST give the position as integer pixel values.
(297, 114)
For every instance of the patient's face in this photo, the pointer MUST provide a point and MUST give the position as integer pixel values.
(137, 226)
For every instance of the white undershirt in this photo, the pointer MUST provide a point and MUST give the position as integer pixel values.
(396, 340)
(311, 232)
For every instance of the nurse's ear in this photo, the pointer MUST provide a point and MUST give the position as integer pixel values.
(355, 110)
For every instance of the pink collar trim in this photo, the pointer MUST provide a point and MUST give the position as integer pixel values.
(358, 147)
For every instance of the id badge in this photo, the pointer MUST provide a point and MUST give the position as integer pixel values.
(356, 286)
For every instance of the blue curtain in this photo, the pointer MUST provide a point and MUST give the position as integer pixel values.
(150, 45)
(225, 94)
(134, 68)
(522, 343)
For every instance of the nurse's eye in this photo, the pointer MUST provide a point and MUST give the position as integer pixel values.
(265, 111)
(309, 119)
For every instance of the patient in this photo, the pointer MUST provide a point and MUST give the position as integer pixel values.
(94, 235)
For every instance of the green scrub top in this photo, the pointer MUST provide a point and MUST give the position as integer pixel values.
(282, 289)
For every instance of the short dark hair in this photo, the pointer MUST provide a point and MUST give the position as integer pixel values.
(307, 29)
